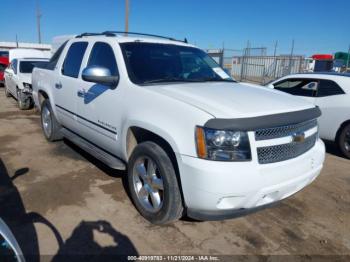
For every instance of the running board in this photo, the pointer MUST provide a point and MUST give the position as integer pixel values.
(98, 153)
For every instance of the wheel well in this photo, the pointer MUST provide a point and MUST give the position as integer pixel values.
(42, 96)
(137, 135)
(347, 122)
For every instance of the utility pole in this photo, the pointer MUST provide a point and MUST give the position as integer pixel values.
(17, 41)
(348, 60)
(126, 17)
(38, 17)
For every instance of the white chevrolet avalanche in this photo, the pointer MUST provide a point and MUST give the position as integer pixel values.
(194, 141)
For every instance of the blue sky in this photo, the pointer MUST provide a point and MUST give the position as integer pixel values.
(318, 26)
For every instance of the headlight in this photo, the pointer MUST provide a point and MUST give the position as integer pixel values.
(27, 87)
(222, 145)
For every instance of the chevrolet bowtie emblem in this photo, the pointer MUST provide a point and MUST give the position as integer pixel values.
(298, 137)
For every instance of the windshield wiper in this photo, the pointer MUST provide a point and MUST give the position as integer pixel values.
(216, 80)
(166, 80)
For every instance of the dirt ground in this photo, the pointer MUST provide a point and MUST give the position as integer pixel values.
(59, 200)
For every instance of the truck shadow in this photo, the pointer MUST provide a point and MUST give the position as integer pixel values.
(80, 246)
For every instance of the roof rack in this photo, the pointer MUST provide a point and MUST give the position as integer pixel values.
(115, 33)
(94, 34)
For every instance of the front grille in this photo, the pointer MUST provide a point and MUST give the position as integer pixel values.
(278, 153)
(283, 131)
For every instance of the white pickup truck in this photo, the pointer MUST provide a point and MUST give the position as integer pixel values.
(194, 141)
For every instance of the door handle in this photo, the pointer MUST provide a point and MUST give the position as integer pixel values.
(58, 85)
(81, 93)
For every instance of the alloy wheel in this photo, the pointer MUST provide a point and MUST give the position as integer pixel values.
(148, 184)
(47, 121)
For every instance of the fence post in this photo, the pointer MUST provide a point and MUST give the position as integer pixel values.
(275, 57)
(290, 58)
(245, 53)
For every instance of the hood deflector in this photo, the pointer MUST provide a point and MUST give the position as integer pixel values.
(261, 122)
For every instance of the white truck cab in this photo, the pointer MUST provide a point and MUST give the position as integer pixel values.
(194, 141)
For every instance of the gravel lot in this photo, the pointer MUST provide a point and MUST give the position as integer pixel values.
(56, 198)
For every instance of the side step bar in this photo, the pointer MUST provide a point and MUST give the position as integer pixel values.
(98, 153)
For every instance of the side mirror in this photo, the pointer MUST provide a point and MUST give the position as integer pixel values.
(100, 75)
(270, 86)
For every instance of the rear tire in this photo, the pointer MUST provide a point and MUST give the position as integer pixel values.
(153, 185)
(344, 140)
(24, 102)
(51, 128)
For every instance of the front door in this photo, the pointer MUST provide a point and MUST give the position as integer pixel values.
(97, 122)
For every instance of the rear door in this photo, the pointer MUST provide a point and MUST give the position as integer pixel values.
(68, 82)
(306, 88)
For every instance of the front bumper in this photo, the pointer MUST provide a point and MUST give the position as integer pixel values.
(219, 190)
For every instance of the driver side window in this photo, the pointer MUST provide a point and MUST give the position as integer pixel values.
(102, 55)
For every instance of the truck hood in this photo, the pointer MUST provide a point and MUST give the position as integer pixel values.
(233, 100)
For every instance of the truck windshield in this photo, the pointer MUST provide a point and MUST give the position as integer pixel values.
(27, 67)
(151, 63)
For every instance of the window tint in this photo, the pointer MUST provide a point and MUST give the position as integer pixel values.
(72, 63)
(56, 56)
(298, 87)
(329, 88)
(102, 55)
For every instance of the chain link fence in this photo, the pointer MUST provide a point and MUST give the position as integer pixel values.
(254, 65)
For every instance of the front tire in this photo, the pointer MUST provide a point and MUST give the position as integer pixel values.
(24, 102)
(153, 185)
(51, 128)
(344, 141)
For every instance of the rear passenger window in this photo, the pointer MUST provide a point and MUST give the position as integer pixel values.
(329, 88)
(72, 63)
(102, 55)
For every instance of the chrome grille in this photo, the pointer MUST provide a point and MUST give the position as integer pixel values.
(278, 153)
(283, 131)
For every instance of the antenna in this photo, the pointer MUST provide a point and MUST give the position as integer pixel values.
(38, 17)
